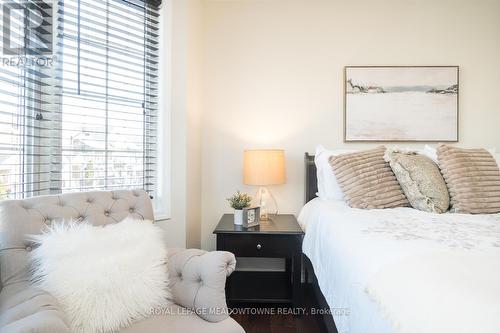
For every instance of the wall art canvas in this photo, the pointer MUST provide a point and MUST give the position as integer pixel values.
(401, 103)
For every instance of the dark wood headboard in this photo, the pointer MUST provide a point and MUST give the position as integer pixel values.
(311, 180)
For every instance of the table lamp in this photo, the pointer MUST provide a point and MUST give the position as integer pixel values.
(264, 167)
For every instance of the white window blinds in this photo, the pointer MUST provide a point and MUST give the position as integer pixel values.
(92, 124)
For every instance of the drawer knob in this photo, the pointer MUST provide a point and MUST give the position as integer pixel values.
(259, 246)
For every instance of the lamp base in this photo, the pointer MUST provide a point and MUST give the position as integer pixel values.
(267, 203)
(265, 218)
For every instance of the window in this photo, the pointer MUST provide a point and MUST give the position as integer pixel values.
(89, 122)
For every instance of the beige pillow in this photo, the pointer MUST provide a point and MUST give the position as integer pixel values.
(420, 179)
(473, 179)
(367, 180)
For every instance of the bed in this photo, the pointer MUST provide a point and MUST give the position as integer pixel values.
(402, 270)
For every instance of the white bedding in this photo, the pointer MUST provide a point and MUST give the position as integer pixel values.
(404, 270)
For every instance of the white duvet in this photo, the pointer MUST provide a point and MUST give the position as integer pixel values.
(403, 270)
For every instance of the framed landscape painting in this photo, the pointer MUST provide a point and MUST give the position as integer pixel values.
(401, 103)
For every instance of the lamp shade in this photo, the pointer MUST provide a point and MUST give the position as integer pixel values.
(264, 167)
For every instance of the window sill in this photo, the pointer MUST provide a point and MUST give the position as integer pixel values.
(161, 216)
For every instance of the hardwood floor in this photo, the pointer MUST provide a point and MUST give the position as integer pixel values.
(273, 319)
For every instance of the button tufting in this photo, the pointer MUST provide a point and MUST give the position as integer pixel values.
(131, 210)
(28, 248)
(106, 213)
(90, 200)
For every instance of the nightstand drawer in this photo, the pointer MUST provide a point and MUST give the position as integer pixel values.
(271, 246)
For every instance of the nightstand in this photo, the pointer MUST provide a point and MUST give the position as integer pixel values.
(280, 237)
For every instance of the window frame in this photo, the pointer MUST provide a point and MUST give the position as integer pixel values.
(162, 203)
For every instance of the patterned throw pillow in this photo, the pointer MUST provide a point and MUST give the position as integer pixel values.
(420, 179)
(367, 180)
(473, 179)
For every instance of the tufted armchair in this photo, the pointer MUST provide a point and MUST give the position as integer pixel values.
(197, 277)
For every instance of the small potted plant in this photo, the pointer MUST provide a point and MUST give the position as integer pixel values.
(239, 201)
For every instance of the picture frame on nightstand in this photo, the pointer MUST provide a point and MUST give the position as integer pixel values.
(251, 217)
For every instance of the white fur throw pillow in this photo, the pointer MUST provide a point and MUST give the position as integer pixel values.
(104, 277)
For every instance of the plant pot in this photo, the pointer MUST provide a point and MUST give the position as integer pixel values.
(238, 217)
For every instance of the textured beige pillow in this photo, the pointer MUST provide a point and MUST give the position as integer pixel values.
(473, 179)
(420, 179)
(367, 180)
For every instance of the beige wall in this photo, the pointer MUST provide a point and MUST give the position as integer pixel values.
(273, 77)
(194, 89)
(183, 102)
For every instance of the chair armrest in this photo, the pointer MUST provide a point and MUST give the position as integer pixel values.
(28, 310)
(198, 280)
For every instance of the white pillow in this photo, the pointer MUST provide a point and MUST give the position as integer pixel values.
(328, 188)
(431, 153)
(103, 277)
